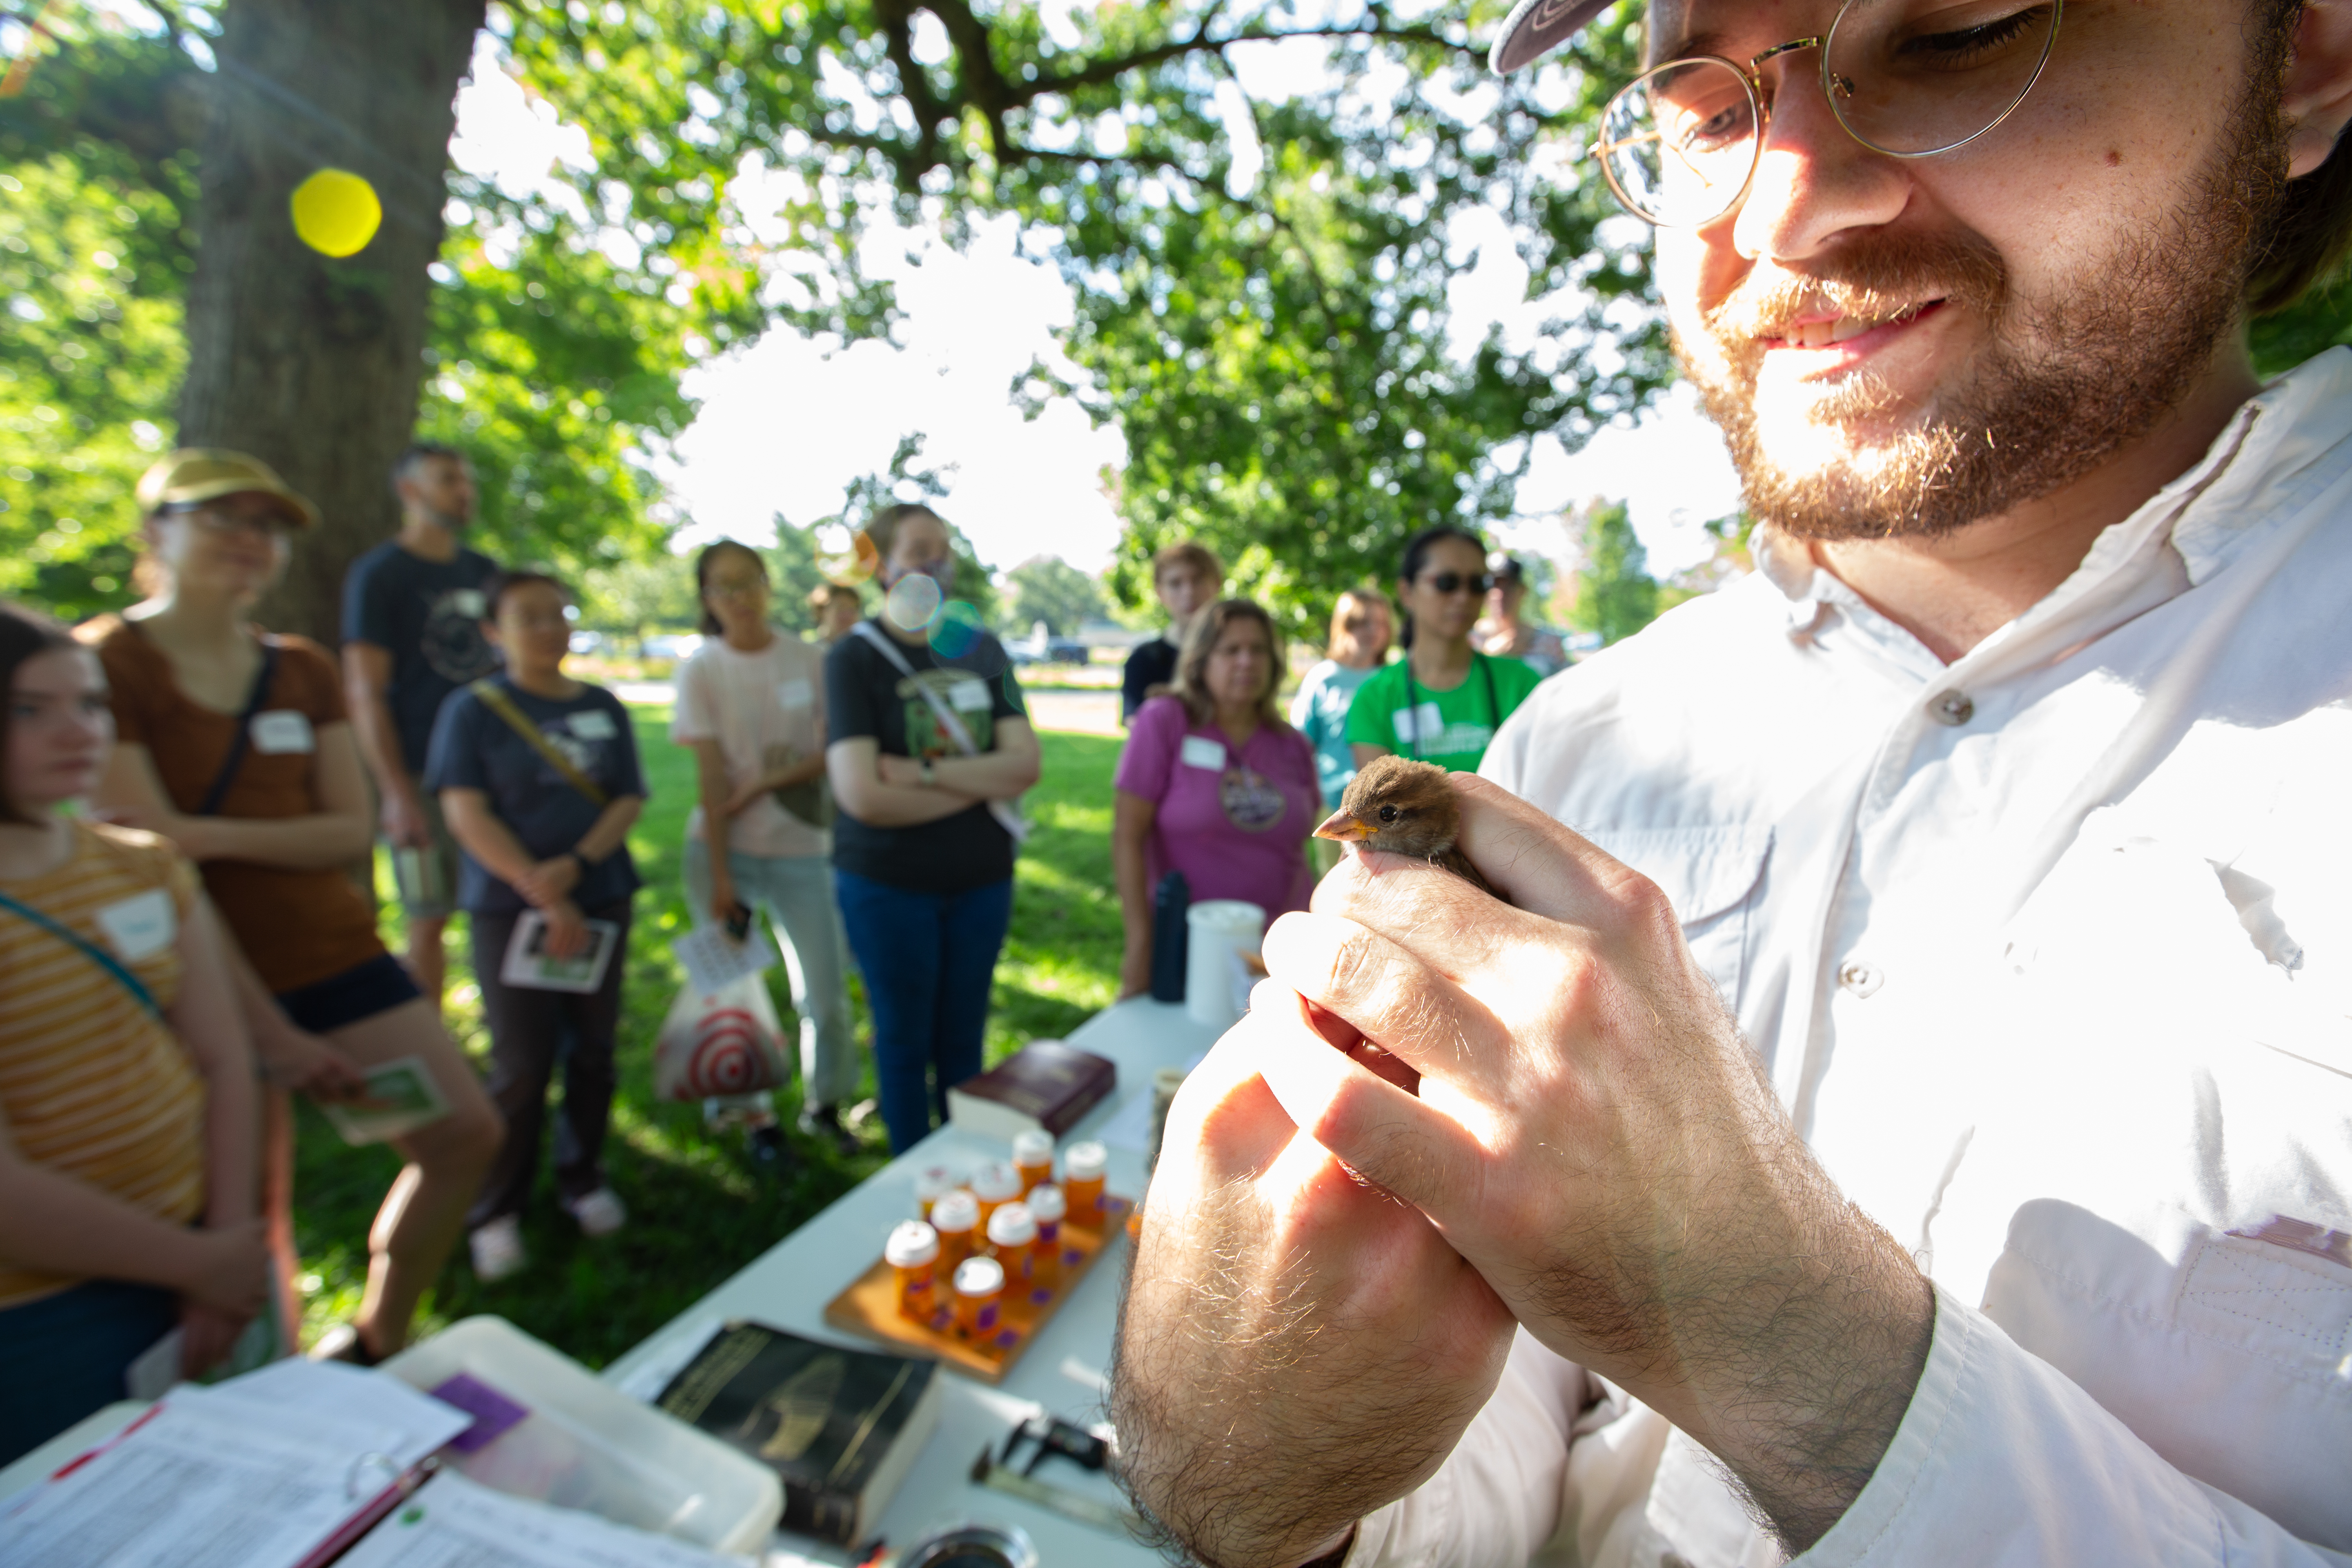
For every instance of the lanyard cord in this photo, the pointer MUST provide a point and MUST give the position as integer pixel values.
(1412, 698)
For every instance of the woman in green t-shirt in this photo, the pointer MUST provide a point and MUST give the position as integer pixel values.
(1444, 701)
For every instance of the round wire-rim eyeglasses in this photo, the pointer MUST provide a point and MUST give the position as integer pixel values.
(1839, 90)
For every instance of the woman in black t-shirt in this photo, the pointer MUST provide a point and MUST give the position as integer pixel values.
(923, 846)
(538, 775)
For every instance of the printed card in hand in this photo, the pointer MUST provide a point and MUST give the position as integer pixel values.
(530, 966)
(401, 1098)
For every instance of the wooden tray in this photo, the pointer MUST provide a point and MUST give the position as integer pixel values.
(870, 1305)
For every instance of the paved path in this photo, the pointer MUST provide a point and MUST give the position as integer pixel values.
(1086, 713)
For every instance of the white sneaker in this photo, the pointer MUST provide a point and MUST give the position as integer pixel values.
(497, 1249)
(600, 1213)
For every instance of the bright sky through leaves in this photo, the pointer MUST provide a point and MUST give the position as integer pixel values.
(786, 423)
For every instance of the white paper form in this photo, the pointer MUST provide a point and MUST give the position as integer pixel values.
(250, 1478)
(453, 1523)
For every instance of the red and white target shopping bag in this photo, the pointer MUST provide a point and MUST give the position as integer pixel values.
(720, 1042)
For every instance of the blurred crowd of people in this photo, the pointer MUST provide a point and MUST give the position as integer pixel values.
(1219, 786)
(189, 932)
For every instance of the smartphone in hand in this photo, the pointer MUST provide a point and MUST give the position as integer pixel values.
(738, 923)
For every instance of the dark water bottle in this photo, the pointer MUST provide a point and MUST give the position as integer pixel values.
(1170, 937)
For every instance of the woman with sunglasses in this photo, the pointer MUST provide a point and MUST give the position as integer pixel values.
(234, 743)
(1444, 701)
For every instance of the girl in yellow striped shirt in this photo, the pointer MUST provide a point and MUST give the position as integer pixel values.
(127, 1108)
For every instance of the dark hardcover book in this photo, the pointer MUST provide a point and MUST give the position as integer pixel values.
(1043, 1084)
(842, 1427)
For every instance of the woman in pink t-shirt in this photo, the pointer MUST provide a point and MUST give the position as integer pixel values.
(1214, 783)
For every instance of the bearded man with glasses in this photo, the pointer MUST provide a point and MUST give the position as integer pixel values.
(1909, 1121)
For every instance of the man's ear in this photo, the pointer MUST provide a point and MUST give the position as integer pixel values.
(2318, 100)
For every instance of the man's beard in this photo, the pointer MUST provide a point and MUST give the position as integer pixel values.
(2064, 382)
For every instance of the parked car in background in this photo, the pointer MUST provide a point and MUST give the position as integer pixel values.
(1041, 648)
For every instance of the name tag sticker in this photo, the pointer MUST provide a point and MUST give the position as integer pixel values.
(968, 697)
(468, 602)
(795, 694)
(1200, 751)
(594, 725)
(1422, 723)
(139, 926)
(281, 731)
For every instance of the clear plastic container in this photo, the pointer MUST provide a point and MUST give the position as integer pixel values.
(586, 1445)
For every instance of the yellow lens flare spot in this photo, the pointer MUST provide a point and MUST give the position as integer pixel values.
(336, 213)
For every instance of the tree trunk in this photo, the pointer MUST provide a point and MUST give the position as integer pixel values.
(309, 364)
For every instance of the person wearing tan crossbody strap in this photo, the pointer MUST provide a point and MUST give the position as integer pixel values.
(930, 748)
(538, 775)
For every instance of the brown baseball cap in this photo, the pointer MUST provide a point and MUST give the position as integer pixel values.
(197, 474)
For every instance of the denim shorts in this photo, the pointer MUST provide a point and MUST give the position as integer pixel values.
(376, 987)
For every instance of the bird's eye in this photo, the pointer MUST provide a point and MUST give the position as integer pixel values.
(1388, 814)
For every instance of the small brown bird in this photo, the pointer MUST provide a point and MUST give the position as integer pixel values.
(1405, 808)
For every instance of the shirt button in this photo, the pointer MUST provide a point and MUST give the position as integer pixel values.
(1952, 708)
(1862, 979)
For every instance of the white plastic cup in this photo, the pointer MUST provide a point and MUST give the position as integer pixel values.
(1218, 928)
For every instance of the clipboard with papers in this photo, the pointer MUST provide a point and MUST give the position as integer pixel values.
(301, 1465)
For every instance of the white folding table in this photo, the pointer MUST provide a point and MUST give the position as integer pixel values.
(1062, 1372)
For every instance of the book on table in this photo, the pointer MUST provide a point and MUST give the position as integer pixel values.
(1046, 1084)
(840, 1427)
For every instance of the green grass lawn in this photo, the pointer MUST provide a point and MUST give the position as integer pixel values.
(697, 1209)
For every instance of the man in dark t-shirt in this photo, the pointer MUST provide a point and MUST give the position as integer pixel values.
(413, 634)
(1187, 576)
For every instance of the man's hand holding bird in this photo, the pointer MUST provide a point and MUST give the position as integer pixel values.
(1587, 1129)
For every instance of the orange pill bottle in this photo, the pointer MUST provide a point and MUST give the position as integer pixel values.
(994, 1184)
(1082, 1182)
(956, 1218)
(913, 1254)
(1033, 1157)
(1048, 1207)
(978, 1297)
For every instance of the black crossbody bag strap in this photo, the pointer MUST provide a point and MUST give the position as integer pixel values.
(242, 741)
(87, 949)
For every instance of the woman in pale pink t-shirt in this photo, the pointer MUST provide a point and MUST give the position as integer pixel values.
(1213, 784)
(751, 703)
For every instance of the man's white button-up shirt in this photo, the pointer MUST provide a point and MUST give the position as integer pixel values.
(2049, 952)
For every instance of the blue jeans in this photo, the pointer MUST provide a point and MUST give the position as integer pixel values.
(63, 1357)
(927, 959)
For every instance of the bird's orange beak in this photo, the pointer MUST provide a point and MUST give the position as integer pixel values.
(1343, 827)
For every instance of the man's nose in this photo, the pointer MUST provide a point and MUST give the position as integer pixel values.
(1814, 184)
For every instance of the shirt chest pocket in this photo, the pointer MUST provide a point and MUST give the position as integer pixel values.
(1710, 874)
(2230, 1354)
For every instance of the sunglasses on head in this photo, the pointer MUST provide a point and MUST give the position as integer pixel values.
(1455, 582)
